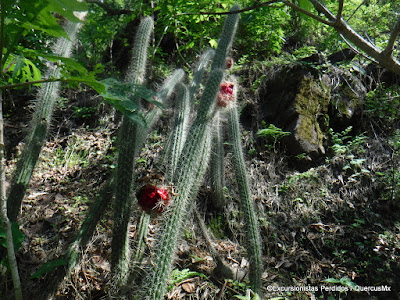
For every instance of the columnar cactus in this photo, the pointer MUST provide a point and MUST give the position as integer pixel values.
(179, 131)
(224, 43)
(252, 232)
(189, 175)
(132, 137)
(217, 163)
(187, 179)
(47, 97)
(198, 74)
(126, 158)
(153, 115)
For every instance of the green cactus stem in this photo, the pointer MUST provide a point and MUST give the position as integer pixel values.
(40, 123)
(190, 172)
(194, 162)
(139, 136)
(150, 118)
(217, 164)
(180, 127)
(126, 158)
(225, 41)
(198, 74)
(247, 206)
(132, 137)
(154, 114)
(142, 232)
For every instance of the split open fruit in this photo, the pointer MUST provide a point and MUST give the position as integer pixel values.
(153, 198)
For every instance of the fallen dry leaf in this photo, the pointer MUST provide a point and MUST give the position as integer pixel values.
(188, 287)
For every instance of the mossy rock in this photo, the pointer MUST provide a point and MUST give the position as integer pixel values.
(296, 99)
(310, 103)
(347, 100)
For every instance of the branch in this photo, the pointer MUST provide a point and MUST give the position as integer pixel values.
(384, 58)
(12, 86)
(392, 39)
(357, 51)
(110, 11)
(322, 9)
(354, 11)
(340, 11)
(28, 83)
(255, 6)
(5, 222)
(307, 13)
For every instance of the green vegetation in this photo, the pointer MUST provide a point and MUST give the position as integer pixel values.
(271, 135)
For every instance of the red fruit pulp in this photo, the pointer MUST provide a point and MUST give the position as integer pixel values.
(153, 198)
(225, 95)
(226, 88)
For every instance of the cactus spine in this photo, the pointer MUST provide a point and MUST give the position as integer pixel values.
(126, 158)
(193, 167)
(190, 173)
(40, 123)
(199, 73)
(252, 232)
(217, 163)
(132, 137)
(153, 115)
(224, 44)
(178, 135)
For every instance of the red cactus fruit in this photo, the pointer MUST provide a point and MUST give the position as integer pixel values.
(225, 95)
(153, 198)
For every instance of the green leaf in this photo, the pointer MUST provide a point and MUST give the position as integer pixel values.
(272, 131)
(32, 73)
(180, 275)
(17, 67)
(213, 43)
(344, 281)
(48, 267)
(305, 4)
(41, 15)
(23, 70)
(18, 236)
(332, 280)
(70, 63)
(66, 8)
(121, 95)
(347, 281)
(242, 297)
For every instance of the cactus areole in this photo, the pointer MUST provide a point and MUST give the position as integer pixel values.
(152, 198)
(226, 94)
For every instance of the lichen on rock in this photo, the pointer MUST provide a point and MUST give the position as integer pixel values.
(296, 99)
(311, 103)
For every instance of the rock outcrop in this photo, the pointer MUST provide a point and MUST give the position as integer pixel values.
(296, 99)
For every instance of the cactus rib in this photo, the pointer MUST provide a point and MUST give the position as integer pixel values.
(40, 123)
(125, 168)
(178, 134)
(253, 235)
(217, 163)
